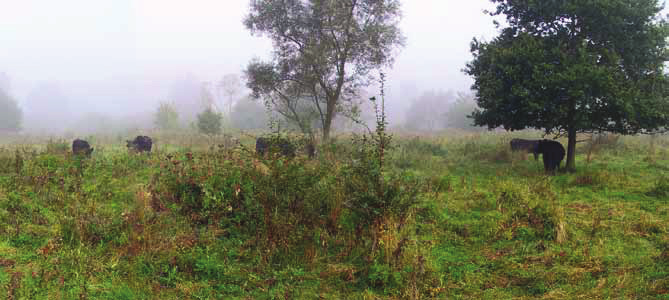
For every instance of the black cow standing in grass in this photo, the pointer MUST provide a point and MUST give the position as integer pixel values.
(262, 145)
(140, 144)
(529, 146)
(81, 147)
(266, 145)
(553, 153)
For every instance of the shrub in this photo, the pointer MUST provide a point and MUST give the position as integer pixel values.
(375, 195)
(279, 202)
(209, 122)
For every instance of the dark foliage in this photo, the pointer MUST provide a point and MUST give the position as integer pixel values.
(275, 144)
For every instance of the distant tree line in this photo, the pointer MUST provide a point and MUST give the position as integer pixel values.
(434, 111)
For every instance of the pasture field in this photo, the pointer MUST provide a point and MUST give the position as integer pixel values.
(449, 216)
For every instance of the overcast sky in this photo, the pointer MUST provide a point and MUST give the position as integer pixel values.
(115, 53)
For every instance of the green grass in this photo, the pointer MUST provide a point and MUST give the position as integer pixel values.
(191, 221)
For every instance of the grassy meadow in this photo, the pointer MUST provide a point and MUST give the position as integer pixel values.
(449, 216)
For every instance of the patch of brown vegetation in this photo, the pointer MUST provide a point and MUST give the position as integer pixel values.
(14, 285)
(7, 262)
(580, 207)
(344, 272)
(498, 254)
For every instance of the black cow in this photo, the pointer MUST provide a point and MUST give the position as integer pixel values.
(553, 153)
(262, 145)
(310, 148)
(81, 147)
(266, 145)
(529, 146)
(140, 144)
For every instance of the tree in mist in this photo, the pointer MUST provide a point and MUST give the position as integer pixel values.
(231, 86)
(166, 117)
(209, 122)
(324, 52)
(248, 114)
(11, 115)
(186, 93)
(207, 98)
(458, 112)
(427, 111)
(573, 66)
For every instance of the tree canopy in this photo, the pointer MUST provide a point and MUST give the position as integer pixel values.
(324, 51)
(573, 66)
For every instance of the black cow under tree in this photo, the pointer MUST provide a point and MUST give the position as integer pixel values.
(574, 66)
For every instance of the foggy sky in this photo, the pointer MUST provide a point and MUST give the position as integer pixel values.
(120, 56)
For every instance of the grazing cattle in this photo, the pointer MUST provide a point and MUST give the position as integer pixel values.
(310, 148)
(140, 144)
(262, 144)
(81, 147)
(529, 146)
(266, 145)
(553, 153)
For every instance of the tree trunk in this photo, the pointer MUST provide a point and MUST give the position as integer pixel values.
(326, 129)
(329, 116)
(571, 150)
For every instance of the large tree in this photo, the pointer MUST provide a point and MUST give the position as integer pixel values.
(570, 66)
(324, 51)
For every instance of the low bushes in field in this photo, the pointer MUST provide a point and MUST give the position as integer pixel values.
(294, 209)
(282, 204)
(660, 188)
(530, 213)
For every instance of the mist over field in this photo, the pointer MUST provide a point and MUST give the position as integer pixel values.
(334, 149)
(70, 61)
